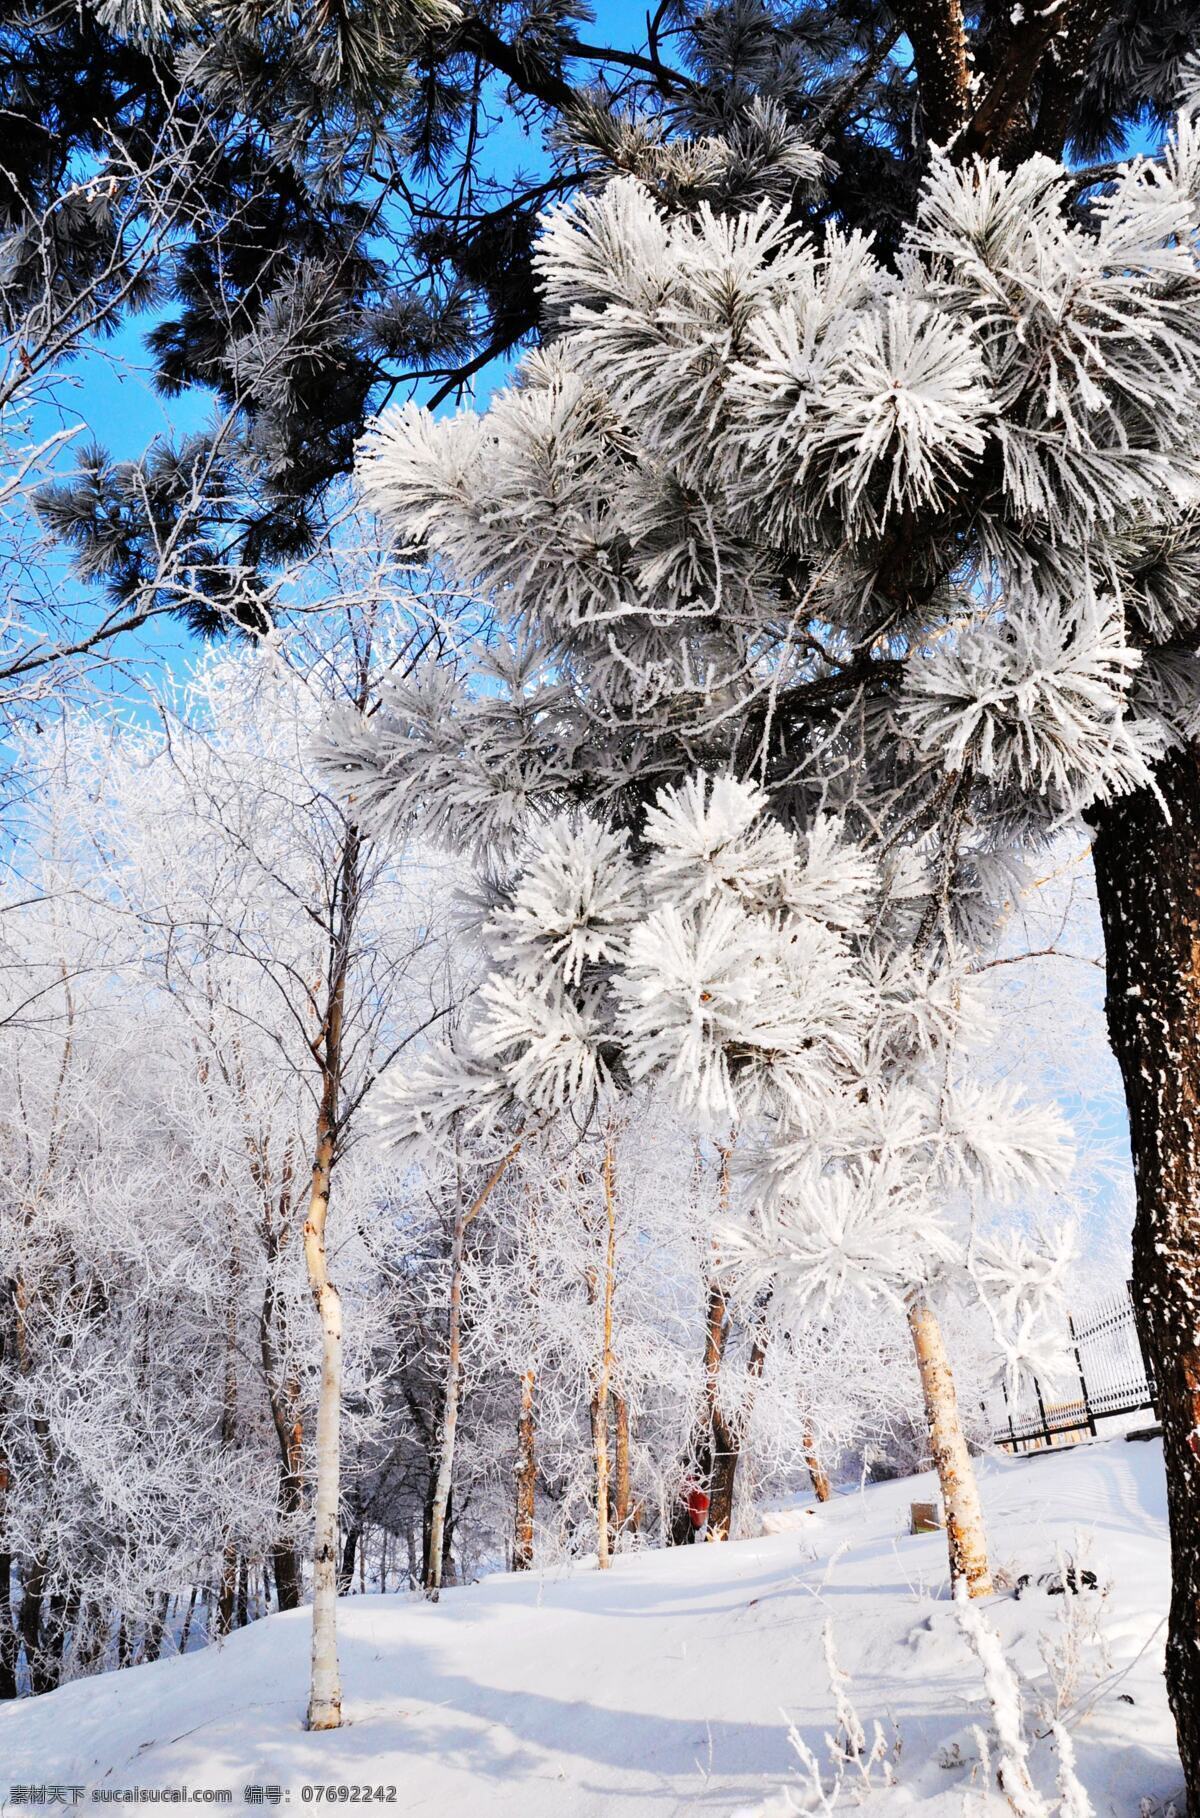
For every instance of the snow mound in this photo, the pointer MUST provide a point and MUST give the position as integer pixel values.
(666, 1686)
(798, 1520)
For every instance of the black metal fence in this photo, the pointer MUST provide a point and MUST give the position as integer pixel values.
(1113, 1378)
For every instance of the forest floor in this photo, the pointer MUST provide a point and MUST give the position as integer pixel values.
(667, 1685)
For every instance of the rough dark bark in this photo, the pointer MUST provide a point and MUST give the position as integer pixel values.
(350, 1542)
(31, 1621)
(285, 1564)
(186, 1630)
(935, 31)
(1147, 857)
(712, 1440)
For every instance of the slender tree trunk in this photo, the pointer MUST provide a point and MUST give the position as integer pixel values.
(325, 1693)
(526, 1469)
(526, 1476)
(92, 1640)
(449, 1574)
(956, 1474)
(227, 1600)
(186, 1630)
(31, 1620)
(438, 1513)
(8, 1637)
(714, 1447)
(227, 1595)
(349, 1549)
(816, 1470)
(152, 1646)
(623, 1510)
(1147, 857)
(604, 1375)
(282, 1399)
(720, 1506)
(285, 1565)
(48, 1672)
(444, 1478)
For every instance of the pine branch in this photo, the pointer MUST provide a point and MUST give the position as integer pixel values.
(1070, 32)
(1062, 81)
(527, 70)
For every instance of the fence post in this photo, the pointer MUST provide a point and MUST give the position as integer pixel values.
(1087, 1406)
(1037, 1389)
(1012, 1432)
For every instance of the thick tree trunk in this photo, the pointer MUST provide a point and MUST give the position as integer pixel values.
(1147, 857)
(526, 1476)
(325, 1693)
(956, 1474)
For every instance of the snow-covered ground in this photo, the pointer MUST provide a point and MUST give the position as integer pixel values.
(666, 1686)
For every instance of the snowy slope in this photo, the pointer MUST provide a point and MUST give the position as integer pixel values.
(660, 1687)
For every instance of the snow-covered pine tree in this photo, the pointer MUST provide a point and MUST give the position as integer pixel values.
(754, 977)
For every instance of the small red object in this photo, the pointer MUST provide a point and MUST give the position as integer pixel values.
(697, 1506)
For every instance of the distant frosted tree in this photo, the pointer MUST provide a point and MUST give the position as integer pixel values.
(753, 978)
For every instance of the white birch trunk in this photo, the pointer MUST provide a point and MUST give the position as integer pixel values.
(445, 1470)
(965, 1534)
